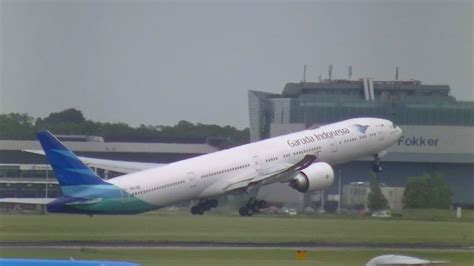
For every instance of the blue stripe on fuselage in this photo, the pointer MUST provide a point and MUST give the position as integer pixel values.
(94, 191)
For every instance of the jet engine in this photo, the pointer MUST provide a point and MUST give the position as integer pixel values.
(314, 177)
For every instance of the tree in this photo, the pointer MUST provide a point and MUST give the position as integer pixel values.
(72, 121)
(16, 126)
(376, 200)
(441, 192)
(427, 191)
(70, 115)
(417, 193)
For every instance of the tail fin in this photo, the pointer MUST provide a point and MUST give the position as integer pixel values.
(68, 169)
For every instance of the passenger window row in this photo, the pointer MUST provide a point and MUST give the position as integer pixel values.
(159, 187)
(308, 150)
(271, 159)
(226, 170)
(350, 140)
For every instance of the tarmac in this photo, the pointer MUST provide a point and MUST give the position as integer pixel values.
(219, 245)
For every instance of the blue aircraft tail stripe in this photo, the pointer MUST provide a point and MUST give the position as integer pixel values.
(81, 171)
(64, 153)
(93, 191)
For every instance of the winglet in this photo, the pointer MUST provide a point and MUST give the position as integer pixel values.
(68, 169)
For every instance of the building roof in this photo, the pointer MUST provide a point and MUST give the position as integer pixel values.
(113, 147)
(412, 88)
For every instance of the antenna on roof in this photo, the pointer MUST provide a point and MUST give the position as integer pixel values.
(304, 74)
(350, 72)
(396, 74)
(330, 72)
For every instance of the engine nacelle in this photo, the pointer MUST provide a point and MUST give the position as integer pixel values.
(314, 177)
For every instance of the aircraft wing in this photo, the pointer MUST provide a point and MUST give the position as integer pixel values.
(282, 173)
(125, 167)
(39, 201)
(118, 166)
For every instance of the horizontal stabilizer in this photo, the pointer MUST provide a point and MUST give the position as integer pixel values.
(85, 202)
(36, 201)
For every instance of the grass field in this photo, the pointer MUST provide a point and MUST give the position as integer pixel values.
(234, 257)
(436, 215)
(163, 226)
(412, 228)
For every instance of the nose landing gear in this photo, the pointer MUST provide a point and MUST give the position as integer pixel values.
(252, 206)
(376, 167)
(204, 206)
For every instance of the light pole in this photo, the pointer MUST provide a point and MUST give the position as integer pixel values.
(46, 181)
(322, 200)
(339, 192)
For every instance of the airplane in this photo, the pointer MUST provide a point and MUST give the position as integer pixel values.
(302, 160)
(400, 260)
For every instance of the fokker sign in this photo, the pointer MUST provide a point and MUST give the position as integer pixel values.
(418, 141)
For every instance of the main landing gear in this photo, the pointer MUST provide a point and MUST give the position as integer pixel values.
(203, 206)
(252, 206)
(376, 167)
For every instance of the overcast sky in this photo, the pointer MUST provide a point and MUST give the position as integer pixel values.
(157, 63)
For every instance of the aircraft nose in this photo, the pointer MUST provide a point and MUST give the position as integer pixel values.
(399, 132)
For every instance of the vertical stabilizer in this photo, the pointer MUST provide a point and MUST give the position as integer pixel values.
(68, 169)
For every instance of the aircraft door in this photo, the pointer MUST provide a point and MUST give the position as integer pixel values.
(257, 163)
(192, 180)
(334, 146)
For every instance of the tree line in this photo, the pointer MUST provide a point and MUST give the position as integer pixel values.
(16, 126)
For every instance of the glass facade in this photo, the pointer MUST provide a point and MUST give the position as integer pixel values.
(403, 102)
(453, 114)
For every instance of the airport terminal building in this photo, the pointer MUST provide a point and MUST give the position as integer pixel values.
(438, 130)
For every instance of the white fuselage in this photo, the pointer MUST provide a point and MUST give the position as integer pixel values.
(204, 177)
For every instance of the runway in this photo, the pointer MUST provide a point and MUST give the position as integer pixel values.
(220, 245)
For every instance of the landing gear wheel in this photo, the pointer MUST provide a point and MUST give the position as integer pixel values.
(213, 203)
(203, 206)
(377, 168)
(380, 169)
(254, 207)
(200, 211)
(243, 211)
(262, 204)
(250, 212)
